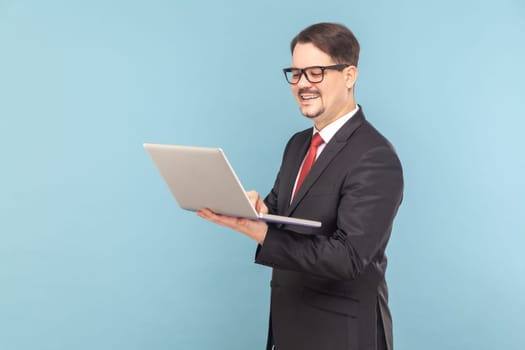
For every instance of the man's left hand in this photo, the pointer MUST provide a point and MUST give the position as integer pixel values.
(254, 229)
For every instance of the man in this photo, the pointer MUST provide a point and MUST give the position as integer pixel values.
(328, 285)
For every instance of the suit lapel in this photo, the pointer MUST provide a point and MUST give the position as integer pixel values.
(294, 166)
(331, 149)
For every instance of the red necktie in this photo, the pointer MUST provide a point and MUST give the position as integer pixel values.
(317, 140)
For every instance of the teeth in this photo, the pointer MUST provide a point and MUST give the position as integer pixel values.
(308, 97)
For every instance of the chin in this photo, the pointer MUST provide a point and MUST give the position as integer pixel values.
(312, 114)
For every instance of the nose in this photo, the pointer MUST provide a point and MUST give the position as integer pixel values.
(303, 82)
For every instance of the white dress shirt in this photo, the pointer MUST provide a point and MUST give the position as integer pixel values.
(326, 134)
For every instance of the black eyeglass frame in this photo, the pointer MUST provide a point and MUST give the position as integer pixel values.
(302, 71)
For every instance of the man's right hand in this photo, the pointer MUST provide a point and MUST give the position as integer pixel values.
(257, 202)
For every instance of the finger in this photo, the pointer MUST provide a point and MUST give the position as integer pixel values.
(258, 203)
(205, 213)
(208, 215)
(261, 207)
(222, 220)
(255, 199)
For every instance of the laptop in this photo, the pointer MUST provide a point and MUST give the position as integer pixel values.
(202, 177)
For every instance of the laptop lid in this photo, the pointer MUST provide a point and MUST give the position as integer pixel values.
(202, 177)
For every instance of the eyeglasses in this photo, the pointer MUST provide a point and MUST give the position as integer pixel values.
(314, 74)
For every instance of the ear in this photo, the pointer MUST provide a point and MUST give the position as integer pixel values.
(351, 76)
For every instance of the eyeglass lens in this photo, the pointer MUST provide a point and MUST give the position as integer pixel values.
(313, 74)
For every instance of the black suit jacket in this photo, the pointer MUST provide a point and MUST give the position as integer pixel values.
(328, 285)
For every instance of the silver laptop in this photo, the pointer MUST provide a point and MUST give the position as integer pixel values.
(201, 177)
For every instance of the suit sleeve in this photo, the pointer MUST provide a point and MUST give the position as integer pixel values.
(369, 199)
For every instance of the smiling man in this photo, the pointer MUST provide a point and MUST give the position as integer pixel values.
(328, 284)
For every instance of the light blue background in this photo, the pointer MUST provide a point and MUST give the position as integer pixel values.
(94, 252)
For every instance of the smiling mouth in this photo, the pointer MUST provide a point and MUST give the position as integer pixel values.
(308, 97)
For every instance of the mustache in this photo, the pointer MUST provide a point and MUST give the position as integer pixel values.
(308, 91)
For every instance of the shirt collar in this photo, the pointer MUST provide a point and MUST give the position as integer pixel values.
(331, 129)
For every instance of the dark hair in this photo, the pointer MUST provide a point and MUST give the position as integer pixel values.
(333, 39)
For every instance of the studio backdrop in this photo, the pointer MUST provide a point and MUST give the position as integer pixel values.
(96, 254)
